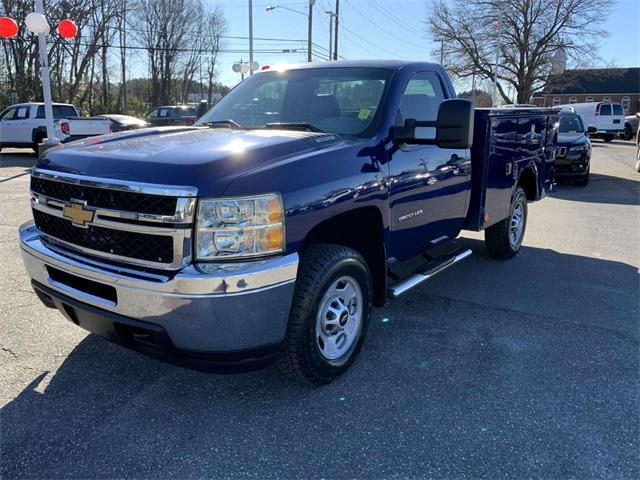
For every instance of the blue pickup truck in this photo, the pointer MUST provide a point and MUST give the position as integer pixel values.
(271, 228)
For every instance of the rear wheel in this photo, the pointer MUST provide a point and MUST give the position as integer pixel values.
(607, 138)
(638, 159)
(628, 133)
(503, 240)
(37, 140)
(329, 315)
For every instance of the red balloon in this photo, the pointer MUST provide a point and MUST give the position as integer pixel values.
(67, 29)
(8, 27)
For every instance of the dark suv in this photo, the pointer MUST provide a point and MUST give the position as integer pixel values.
(573, 150)
(179, 115)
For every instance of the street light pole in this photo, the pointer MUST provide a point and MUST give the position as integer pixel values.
(331, 15)
(250, 38)
(335, 41)
(46, 82)
(309, 58)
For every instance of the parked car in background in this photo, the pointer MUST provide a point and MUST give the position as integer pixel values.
(573, 152)
(179, 115)
(23, 125)
(630, 126)
(120, 123)
(607, 118)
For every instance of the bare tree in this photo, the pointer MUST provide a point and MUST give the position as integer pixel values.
(214, 28)
(530, 33)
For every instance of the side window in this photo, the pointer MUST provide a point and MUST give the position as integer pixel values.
(605, 109)
(64, 111)
(556, 101)
(589, 100)
(9, 114)
(617, 109)
(164, 112)
(606, 98)
(153, 113)
(573, 100)
(22, 113)
(421, 99)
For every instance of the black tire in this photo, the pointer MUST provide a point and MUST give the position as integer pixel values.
(607, 138)
(628, 134)
(638, 159)
(37, 139)
(584, 180)
(497, 237)
(320, 267)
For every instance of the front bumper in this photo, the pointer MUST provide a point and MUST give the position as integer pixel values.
(202, 309)
(572, 164)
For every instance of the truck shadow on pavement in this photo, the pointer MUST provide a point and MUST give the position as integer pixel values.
(601, 189)
(519, 368)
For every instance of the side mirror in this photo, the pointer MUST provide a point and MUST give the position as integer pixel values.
(592, 129)
(453, 129)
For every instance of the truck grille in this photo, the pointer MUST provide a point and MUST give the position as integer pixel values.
(139, 224)
(140, 246)
(103, 198)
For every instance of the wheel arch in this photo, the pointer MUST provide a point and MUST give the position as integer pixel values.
(528, 180)
(361, 229)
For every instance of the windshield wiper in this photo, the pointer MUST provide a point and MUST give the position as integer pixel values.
(228, 123)
(310, 127)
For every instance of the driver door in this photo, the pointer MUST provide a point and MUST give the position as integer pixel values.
(428, 185)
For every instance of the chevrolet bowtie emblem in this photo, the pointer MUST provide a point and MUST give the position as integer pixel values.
(78, 213)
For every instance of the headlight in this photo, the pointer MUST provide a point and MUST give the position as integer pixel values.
(580, 149)
(231, 228)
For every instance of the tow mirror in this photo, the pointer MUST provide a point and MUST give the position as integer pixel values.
(452, 129)
(592, 129)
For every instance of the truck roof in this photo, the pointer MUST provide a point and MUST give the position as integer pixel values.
(42, 103)
(387, 64)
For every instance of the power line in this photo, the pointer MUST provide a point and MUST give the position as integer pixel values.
(382, 28)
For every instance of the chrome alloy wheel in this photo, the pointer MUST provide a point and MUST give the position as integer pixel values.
(339, 319)
(517, 225)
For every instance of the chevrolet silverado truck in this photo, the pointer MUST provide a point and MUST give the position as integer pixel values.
(24, 126)
(271, 228)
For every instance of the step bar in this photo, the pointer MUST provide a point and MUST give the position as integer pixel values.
(428, 271)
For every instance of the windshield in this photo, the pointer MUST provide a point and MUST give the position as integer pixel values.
(343, 101)
(571, 124)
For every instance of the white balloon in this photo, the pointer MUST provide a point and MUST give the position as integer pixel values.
(244, 68)
(37, 23)
(236, 67)
(255, 66)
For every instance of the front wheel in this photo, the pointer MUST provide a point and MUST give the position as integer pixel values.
(503, 240)
(607, 138)
(628, 133)
(329, 315)
(638, 160)
(584, 180)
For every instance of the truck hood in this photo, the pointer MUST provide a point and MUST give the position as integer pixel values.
(205, 158)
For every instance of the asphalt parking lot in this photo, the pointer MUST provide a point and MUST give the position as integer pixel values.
(520, 369)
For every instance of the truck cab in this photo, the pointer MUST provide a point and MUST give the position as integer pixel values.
(270, 229)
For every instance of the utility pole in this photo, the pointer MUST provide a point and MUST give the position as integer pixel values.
(46, 83)
(335, 41)
(251, 39)
(441, 51)
(309, 42)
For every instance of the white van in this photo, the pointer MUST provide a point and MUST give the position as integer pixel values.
(606, 117)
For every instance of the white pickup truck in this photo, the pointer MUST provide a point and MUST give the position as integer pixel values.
(23, 125)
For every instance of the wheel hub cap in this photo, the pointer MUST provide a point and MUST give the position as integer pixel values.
(339, 318)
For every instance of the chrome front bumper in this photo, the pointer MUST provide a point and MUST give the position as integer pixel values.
(206, 308)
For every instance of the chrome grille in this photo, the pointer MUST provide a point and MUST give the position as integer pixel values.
(139, 224)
